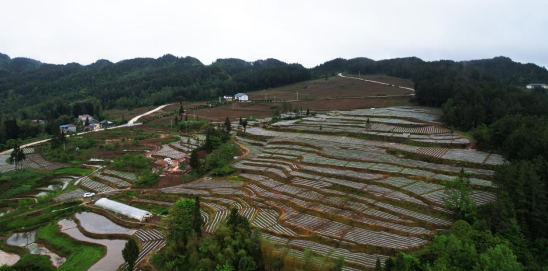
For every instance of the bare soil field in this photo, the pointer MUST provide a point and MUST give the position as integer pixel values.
(262, 110)
(335, 87)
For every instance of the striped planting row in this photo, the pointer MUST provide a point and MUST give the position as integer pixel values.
(115, 181)
(167, 151)
(147, 235)
(268, 219)
(350, 233)
(221, 213)
(96, 186)
(122, 174)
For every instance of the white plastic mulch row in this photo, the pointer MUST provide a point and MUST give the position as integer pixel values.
(121, 174)
(96, 186)
(117, 182)
(268, 219)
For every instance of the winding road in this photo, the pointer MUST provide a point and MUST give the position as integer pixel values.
(371, 81)
(133, 120)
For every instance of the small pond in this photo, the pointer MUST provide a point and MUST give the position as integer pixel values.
(8, 259)
(111, 261)
(40, 249)
(96, 223)
(22, 239)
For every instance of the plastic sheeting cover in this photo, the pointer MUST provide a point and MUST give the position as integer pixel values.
(123, 209)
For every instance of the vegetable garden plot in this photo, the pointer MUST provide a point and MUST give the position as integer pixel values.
(356, 119)
(121, 174)
(353, 234)
(419, 113)
(250, 141)
(226, 191)
(310, 183)
(95, 186)
(354, 141)
(36, 161)
(413, 214)
(212, 184)
(229, 202)
(268, 219)
(167, 151)
(354, 216)
(286, 146)
(182, 190)
(363, 259)
(221, 213)
(421, 187)
(466, 155)
(483, 197)
(205, 216)
(151, 240)
(248, 213)
(346, 173)
(115, 181)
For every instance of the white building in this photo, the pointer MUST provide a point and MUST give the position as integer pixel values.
(228, 98)
(241, 97)
(123, 209)
(532, 86)
(84, 117)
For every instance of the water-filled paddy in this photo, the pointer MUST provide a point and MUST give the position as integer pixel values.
(111, 261)
(8, 259)
(95, 223)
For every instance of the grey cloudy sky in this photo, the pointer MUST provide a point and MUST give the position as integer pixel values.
(307, 32)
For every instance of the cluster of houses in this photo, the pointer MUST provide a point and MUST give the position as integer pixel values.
(238, 97)
(92, 124)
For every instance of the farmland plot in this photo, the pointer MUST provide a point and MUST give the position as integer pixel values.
(350, 194)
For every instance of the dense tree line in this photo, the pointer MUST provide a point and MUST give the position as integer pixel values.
(36, 90)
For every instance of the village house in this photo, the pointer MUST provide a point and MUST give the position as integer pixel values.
(84, 117)
(241, 97)
(228, 98)
(68, 128)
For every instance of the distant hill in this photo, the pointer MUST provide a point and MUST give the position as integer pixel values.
(17, 65)
(31, 89)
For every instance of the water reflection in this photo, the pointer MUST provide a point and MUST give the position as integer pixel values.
(111, 261)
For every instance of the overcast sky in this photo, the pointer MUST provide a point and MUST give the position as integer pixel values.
(307, 32)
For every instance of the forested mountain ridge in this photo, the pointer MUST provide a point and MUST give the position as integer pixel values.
(17, 65)
(136, 82)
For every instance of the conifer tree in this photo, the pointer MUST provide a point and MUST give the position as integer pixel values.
(130, 253)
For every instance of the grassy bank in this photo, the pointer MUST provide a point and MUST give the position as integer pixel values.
(80, 255)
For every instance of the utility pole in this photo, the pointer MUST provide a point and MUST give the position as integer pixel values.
(297, 95)
(186, 127)
(360, 74)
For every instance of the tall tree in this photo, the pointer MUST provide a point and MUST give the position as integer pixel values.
(194, 162)
(197, 221)
(130, 253)
(180, 219)
(181, 111)
(458, 198)
(228, 128)
(244, 124)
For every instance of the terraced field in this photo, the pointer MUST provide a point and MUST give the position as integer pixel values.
(343, 195)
